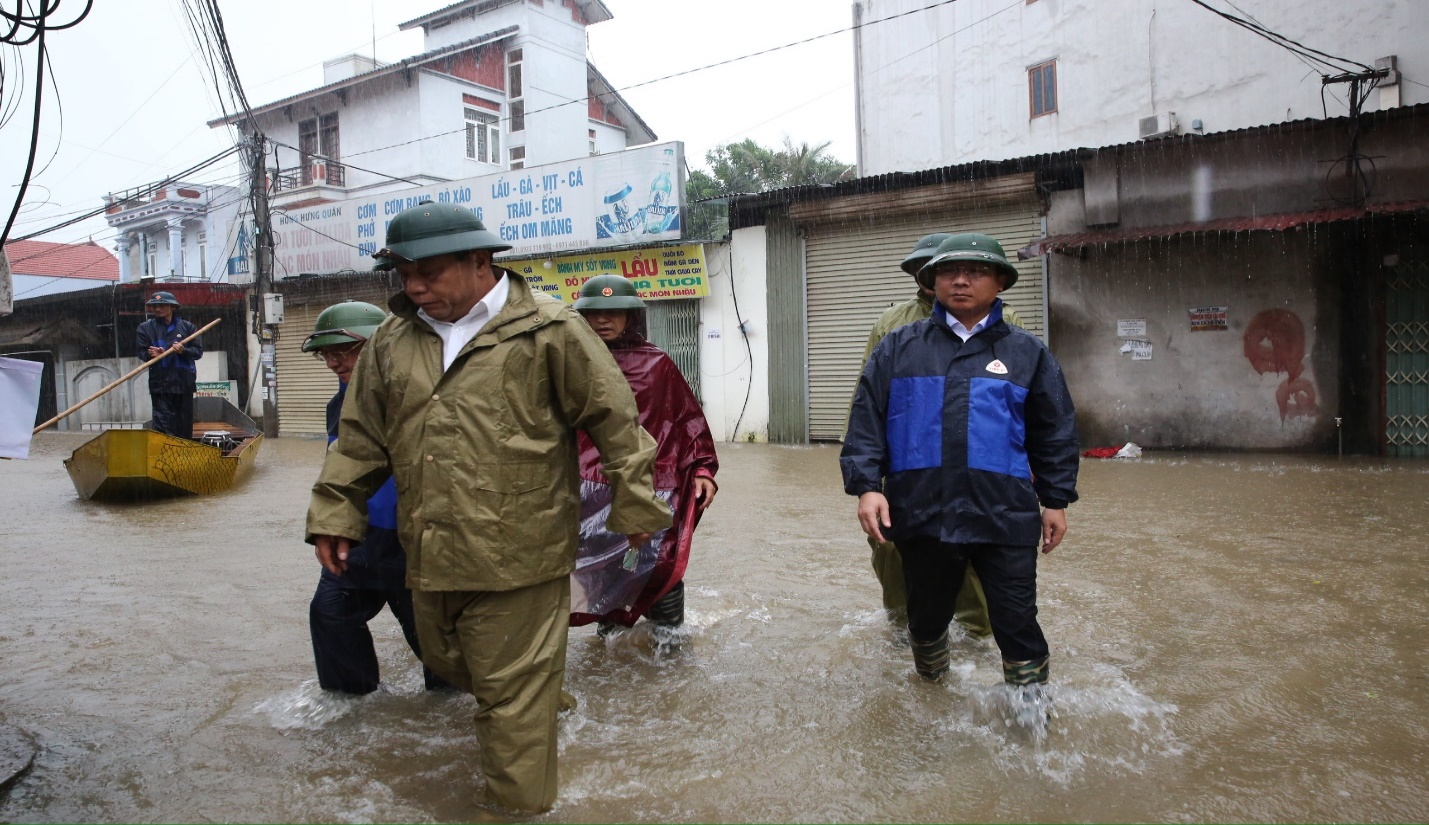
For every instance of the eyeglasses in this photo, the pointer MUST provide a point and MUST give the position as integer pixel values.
(336, 354)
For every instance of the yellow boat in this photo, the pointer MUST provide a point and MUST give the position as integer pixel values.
(138, 465)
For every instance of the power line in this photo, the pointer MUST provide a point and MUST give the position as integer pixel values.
(1338, 64)
(684, 72)
(145, 191)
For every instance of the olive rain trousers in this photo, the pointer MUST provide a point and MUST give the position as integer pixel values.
(508, 649)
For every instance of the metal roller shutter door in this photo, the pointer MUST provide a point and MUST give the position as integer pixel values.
(674, 327)
(852, 276)
(304, 383)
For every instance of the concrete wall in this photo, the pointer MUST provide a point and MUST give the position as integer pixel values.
(949, 85)
(1269, 381)
(728, 374)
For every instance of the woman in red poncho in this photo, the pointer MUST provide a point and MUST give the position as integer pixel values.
(612, 583)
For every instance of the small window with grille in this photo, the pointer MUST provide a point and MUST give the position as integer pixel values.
(483, 136)
(1042, 88)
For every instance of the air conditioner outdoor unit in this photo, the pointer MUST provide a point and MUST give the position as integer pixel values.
(1157, 126)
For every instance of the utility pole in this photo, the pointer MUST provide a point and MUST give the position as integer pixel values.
(265, 324)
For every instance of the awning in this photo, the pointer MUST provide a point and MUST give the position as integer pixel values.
(1273, 223)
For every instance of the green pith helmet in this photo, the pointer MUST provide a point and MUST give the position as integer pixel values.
(922, 251)
(968, 246)
(609, 292)
(162, 299)
(431, 229)
(350, 322)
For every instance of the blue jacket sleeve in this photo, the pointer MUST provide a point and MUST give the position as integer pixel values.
(193, 350)
(864, 457)
(143, 340)
(1052, 447)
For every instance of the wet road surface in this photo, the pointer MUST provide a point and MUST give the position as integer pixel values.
(1233, 638)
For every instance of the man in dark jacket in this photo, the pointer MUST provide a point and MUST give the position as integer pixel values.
(172, 380)
(961, 425)
(376, 574)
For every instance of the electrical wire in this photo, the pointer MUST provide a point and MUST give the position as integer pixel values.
(685, 72)
(1337, 64)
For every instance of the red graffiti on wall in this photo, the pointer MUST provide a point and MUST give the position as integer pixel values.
(1275, 343)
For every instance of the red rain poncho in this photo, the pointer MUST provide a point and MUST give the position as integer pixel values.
(602, 586)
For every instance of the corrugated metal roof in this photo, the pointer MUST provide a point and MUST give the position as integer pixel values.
(365, 77)
(63, 260)
(747, 209)
(1274, 223)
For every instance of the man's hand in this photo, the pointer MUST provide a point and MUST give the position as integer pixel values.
(332, 553)
(1054, 527)
(177, 347)
(873, 514)
(705, 490)
(637, 540)
(154, 352)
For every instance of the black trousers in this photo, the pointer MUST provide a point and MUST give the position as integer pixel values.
(342, 644)
(933, 573)
(173, 413)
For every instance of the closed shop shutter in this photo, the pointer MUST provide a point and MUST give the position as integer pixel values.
(674, 327)
(852, 276)
(304, 383)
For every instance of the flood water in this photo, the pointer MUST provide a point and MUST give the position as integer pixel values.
(1234, 637)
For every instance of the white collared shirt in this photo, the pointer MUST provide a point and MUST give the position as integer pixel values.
(962, 331)
(457, 334)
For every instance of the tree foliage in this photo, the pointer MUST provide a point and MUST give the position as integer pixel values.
(746, 167)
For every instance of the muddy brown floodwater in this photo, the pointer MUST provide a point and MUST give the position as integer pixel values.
(1234, 637)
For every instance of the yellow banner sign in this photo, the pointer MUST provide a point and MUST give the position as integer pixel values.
(659, 273)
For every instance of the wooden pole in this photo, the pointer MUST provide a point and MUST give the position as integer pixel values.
(144, 366)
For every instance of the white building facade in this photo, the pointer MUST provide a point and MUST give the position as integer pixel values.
(502, 85)
(178, 231)
(983, 80)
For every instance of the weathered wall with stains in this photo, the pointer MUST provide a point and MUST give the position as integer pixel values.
(1269, 380)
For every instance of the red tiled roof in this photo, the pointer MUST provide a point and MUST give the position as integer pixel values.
(62, 260)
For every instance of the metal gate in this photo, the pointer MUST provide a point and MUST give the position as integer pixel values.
(1406, 344)
(674, 326)
(852, 276)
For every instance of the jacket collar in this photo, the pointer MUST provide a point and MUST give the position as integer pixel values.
(520, 303)
(994, 317)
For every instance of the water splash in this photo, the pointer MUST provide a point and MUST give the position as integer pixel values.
(308, 707)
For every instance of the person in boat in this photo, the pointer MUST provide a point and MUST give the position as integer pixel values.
(471, 397)
(377, 568)
(613, 585)
(172, 380)
(962, 425)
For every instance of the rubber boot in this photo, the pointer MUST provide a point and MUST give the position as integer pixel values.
(930, 659)
(1032, 672)
(669, 611)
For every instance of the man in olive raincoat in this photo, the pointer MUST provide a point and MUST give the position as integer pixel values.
(887, 564)
(471, 396)
(612, 584)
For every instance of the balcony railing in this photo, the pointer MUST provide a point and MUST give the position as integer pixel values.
(317, 172)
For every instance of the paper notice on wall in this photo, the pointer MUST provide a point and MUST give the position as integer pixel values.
(19, 402)
(1140, 350)
(1208, 319)
(1131, 328)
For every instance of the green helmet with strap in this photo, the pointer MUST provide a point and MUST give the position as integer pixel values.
(968, 246)
(431, 229)
(922, 251)
(609, 292)
(350, 322)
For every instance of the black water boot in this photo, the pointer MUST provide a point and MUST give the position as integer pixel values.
(930, 659)
(669, 611)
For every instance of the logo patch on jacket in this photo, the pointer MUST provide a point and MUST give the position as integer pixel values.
(997, 367)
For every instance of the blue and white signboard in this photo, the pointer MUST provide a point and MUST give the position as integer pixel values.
(629, 197)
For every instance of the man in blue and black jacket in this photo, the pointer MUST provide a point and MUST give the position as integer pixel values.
(962, 449)
(173, 379)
